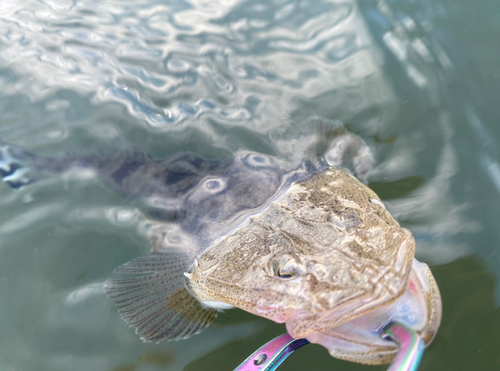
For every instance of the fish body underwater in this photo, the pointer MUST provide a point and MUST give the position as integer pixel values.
(307, 244)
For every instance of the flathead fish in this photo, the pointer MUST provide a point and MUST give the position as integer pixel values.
(307, 244)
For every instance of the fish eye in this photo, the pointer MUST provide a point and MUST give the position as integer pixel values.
(285, 267)
(285, 273)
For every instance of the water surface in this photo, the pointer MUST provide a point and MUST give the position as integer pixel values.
(418, 80)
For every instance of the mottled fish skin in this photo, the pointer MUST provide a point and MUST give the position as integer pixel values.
(328, 244)
(206, 198)
(329, 260)
(307, 244)
(192, 202)
(358, 340)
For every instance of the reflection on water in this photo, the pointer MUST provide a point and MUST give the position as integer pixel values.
(217, 78)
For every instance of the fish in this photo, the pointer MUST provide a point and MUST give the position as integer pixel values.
(328, 260)
(307, 244)
(321, 254)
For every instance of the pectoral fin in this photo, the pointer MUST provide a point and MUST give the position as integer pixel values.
(158, 305)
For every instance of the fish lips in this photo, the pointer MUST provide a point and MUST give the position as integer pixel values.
(359, 338)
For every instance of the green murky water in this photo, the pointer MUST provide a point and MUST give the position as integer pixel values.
(418, 80)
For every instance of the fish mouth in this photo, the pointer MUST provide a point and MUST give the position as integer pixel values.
(359, 339)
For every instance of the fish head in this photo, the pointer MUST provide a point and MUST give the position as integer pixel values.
(325, 253)
(309, 290)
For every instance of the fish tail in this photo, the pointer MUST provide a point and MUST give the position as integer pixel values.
(16, 166)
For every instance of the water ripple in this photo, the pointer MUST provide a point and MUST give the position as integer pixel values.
(145, 55)
(220, 77)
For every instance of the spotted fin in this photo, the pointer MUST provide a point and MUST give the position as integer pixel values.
(158, 305)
